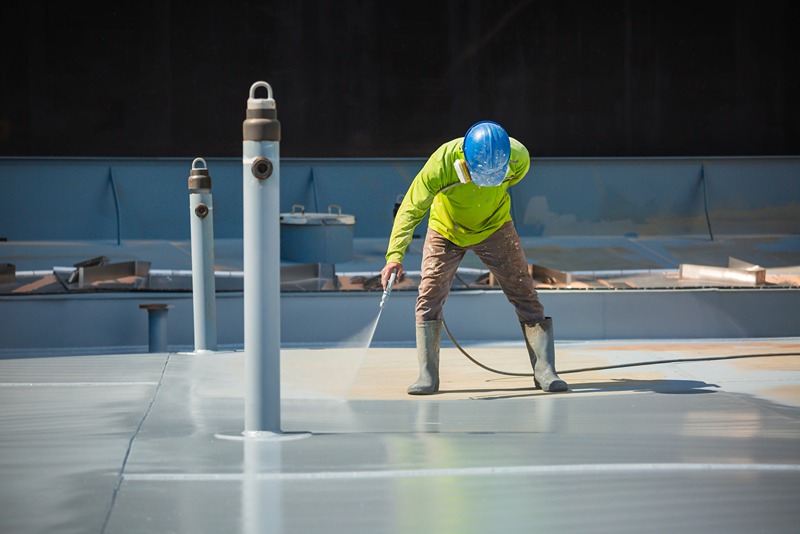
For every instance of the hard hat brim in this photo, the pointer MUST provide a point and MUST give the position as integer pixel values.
(490, 179)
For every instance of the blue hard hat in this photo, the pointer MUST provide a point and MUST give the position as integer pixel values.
(487, 151)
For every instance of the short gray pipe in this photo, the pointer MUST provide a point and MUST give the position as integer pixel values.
(156, 326)
(201, 212)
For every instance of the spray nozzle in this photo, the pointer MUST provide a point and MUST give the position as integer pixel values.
(388, 290)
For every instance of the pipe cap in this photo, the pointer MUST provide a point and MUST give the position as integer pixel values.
(260, 103)
(199, 177)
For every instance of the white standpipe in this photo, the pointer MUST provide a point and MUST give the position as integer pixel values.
(203, 282)
(262, 269)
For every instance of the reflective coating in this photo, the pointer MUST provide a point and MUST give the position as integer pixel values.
(127, 443)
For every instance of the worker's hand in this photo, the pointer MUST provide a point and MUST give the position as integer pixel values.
(386, 272)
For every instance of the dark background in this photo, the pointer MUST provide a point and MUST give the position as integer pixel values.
(392, 79)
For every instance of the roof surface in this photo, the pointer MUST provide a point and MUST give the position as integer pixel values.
(708, 440)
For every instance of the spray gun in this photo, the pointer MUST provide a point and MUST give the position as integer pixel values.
(388, 290)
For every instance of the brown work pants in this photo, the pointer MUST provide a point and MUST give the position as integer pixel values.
(502, 254)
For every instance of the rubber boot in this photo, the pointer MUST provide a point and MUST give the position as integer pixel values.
(541, 349)
(429, 335)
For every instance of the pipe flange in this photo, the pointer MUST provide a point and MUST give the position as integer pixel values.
(201, 211)
(262, 168)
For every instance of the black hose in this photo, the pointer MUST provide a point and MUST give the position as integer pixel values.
(116, 203)
(683, 360)
(473, 360)
(621, 365)
(705, 200)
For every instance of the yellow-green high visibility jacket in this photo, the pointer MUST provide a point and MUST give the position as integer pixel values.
(466, 214)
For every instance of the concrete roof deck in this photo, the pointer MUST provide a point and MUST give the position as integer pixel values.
(707, 441)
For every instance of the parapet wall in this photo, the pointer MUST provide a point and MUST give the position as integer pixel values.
(117, 199)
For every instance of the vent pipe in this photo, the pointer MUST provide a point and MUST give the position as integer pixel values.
(262, 325)
(201, 211)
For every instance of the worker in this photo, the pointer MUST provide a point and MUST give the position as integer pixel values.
(465, 185)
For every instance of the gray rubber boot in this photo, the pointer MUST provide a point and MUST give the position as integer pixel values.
(429, 334)
(541, 349)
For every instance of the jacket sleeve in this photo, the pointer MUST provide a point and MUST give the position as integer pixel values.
(417, 201)
(520, 162)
